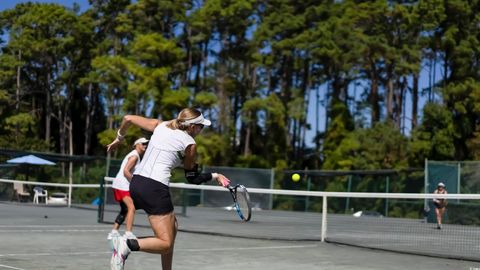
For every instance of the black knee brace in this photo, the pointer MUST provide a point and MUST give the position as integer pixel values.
(120, 219)
(133, 244)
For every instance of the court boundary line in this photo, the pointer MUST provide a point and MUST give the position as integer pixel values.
(46, 230)
(416, 253)
(176, 250)
(11, 267)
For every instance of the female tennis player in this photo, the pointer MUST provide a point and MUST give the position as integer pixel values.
(440, 204)
(121, 187)
(171, 144)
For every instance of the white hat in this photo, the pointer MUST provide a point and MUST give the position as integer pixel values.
(199, 120)
(141, 140)
(441, 184)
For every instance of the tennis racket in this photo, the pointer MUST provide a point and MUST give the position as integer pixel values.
(241, 201)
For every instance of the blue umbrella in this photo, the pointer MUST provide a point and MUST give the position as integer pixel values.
(30, 159)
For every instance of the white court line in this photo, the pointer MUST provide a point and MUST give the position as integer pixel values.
(245, 248)
(176, 250)
(54, 226)
(52, 230)
(10, 267)
(54, 254)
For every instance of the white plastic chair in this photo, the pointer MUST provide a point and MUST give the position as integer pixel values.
(40, 192)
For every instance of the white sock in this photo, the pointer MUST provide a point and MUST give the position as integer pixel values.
(129, 233)
(114, 231)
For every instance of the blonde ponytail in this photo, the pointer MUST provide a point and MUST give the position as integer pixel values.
(184, 115)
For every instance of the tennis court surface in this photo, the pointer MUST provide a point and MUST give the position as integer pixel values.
(46, 237)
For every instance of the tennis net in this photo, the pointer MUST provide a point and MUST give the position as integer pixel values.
(49, 193)
(399, 222)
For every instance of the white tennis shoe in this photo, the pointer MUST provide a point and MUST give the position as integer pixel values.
(120, 253)
(129, 235)
(110, 237)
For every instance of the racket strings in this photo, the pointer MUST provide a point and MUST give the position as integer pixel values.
(243, 202)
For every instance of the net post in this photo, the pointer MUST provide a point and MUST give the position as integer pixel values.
(101, 204)
(425, 201)
(184, 202)
(459, 173)
(272, 182)
(324, 218)
(349, 189)
(307, 198)
(387, 189)
(70, 183)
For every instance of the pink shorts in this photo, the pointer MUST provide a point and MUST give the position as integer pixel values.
(120, 194)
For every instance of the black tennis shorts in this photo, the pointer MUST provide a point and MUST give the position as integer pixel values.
(439, 205)
(150, 195)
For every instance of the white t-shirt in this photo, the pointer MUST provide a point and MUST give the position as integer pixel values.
(121, 182)
(165, 151)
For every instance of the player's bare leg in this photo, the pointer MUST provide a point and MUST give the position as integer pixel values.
(165, 230)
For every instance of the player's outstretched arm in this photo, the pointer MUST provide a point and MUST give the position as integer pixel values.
(148, 124)
(191, 170)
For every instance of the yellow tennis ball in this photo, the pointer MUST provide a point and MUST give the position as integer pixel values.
(295, 177)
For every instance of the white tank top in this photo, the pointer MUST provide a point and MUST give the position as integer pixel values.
(165, 151)
(121, 182)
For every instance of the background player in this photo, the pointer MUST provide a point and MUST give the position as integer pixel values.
(121, 187)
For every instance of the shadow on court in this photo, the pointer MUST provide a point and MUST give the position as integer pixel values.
(40, 237)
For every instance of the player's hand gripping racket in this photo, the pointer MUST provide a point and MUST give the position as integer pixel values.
(242, 201)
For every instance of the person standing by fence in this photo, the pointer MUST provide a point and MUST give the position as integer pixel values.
(440, 204)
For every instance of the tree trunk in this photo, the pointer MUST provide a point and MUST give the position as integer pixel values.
(287, 78)
(374, 97)
(399, 100)
(223, 97)
(188, 46)
(415, 100)
(87, 134)
(248, 131)
(88, 119)
(70, 164)
(48, 110)
(198, 69)
(17, 93)
(390, 98)
(205, 64)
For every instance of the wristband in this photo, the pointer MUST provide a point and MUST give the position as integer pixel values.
(214, 176)
(120, 137)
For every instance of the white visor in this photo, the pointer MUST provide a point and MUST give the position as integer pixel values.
(141, 140)
(198, 120)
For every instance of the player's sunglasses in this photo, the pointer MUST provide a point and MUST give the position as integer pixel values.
(145, 143)
(199, 125)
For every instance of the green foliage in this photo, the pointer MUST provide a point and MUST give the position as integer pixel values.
(23, 122)
(212, 149)
(369, 149)
(4, 100)
(250, 66)
(296, 108)
(339, 128)
(175, 100)
(251, 161)
(107, 136)
(24, 142)
(434, 138)
(205, 99)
